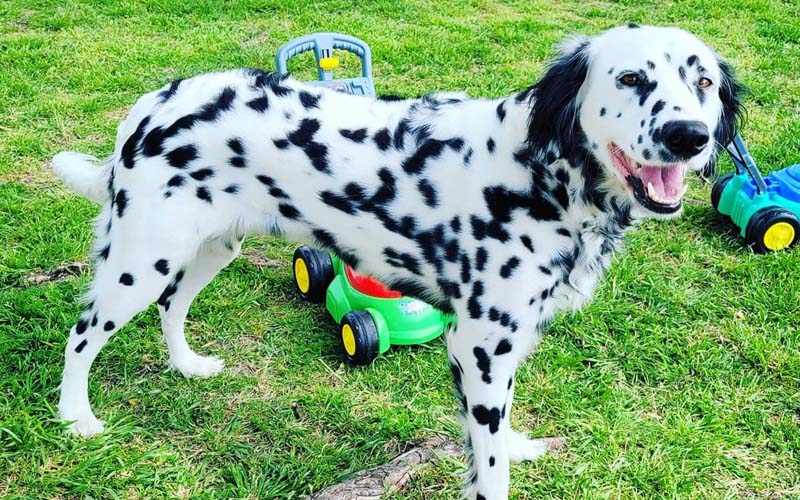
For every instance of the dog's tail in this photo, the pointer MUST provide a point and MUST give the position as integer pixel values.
(84, 174)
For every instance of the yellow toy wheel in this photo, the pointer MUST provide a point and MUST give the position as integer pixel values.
(779, 236)
(772, 229)
(359, 336)
(313, 272)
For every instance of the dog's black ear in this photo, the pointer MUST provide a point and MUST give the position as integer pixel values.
(554, 111)
(731, 93)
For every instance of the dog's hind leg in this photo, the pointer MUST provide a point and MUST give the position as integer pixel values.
(483, 368)
(177, 298)
(129, 276)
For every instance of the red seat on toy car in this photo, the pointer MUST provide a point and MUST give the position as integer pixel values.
(369, 286)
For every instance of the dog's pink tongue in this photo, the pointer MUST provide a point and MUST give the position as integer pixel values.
(667, 181)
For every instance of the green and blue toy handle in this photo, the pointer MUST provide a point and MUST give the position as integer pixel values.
(745, 163)
(323, 45)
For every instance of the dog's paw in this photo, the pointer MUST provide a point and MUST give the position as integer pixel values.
(522, 448)
(198, 366)
(86, 426)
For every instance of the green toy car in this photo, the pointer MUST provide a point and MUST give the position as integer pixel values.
(766, 209)
(371, 317)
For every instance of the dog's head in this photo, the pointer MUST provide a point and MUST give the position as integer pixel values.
(648, 104)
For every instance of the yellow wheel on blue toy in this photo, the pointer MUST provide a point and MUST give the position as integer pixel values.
(779, 236)
(772, 229)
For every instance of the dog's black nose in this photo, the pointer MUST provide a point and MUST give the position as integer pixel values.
(685, 139)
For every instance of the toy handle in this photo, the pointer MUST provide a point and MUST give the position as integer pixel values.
(323, 44)
(744, 162)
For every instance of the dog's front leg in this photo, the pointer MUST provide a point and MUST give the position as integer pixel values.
(483, 369)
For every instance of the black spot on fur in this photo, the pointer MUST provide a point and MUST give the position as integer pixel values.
(651, 65)
(235, 144)
(166, 95)
(309, 100)
(103, 254)
(501, 111)
(357, 135)
(162, 266)
(491, 461)
(430, 149)
(232, 189)
(633, 25)
(126, 279)
(80, 346)
(181, 156)
(266, 180)
(481, 256)
(202, 174)
(128, 151)
(337, 201)
(402, 260)
(455, 224)
(204, 194)
(121, 202)
(602, 111)
(237, 161)
(303, 138)
(108, 326)
(260, 104)
(657, 107)
(508, 268)
(280, 143)
(484, 364)
(647, 154)
(564, 232)
(94, 320)
(545, 270)
(466, 274)
(428, 193)
(288, 211)
(485, 416)
(153, 143)
(277, 192)
(176, 181)
(473, 304)
(81, 326)
(490, 145)
(526, 240)
(691, 60)
(503, 347)
(382, 139)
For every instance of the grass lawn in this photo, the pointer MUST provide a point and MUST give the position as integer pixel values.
(680, 380)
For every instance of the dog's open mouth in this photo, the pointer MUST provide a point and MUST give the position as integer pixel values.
(658, 188)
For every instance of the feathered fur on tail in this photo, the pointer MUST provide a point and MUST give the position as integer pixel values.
(84, 174)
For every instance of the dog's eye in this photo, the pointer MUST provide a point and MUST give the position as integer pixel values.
(630, 79)
(704, 83)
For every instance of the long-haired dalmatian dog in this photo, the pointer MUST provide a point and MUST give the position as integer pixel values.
(501, 211)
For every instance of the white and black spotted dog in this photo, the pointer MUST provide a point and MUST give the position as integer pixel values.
(502, 211)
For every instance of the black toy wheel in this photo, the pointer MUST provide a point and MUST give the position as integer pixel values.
(719, 186)
(772, 229)
(313, 272)
(359, 337)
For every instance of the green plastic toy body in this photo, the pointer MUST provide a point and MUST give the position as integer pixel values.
(766, 209)
(371, 317)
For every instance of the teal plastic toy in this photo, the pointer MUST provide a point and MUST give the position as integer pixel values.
(371, 317)
(766, 209)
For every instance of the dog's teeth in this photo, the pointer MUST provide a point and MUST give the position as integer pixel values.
(651, 191)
